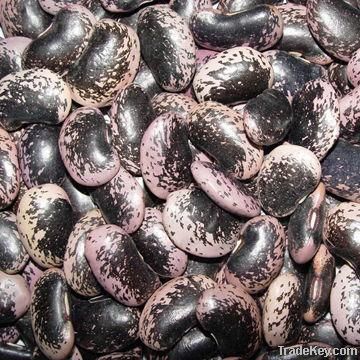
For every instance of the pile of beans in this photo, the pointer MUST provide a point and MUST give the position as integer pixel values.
(179, 181)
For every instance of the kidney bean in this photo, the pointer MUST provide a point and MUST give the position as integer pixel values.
(338, 79)
(306, 225)
(63, 42)
(31, 274)
(33, 96)
(233, 76)
(171, 311)
(44, 222)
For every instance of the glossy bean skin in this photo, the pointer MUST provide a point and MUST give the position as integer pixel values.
(268, 117)
(297, 37)
(338, 79)
(306, 225)
(118, 266)
(341, 233)
(23, 18)
(13, 255)
(228, 193)
(353, 69)
(76, 268)
(122, 6)
(316, 123)
(219, 131)
(33, 96)
(14, 297)
(198, 226)
(146, 80)
(131, 113)
(15, 352)
(339, 41)
(204, 266)
(63, 41)
(322, 331)
(226, 77)
(349, 119)
(171, 311)
(291, 73)
(133, 354)
(94, 80)
(156, 247)
(39, 156)
(164, 32)
(11, 50)
(259, 257)
(86, 149)
(50, 315)
(282, 168)
(103, 325)
(121, 201)
(178, 103)
(165, 155)
(261, 28)
(344, 304)
(282, 313)
(44, 222)
(9, 170)
(53, 7)
(240, 5)
(318, 285)
(340, 171)
(187, 8)
(194, 345)
(74, 355)
(231, 315)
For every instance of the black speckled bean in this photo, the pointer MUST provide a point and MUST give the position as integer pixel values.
(198, 226)
(341, 233)
(13, 255)
(240, 5)
(86, 149)
(9, 334)
(39, 156)
(123, 6)
(316, 123)
(131, 113)
(187, 8)
(165, 155)
(170, 311)
(204, 266)
(318, 285)
(167, 47)
(146, 80)
(231, 315)
(340, 171)
(282, 313)
(9, 170)
(345, 305)
(297, 37)
(109, 62)
(259, 257)
(233, 76)
(259, 27)
(14, 297)
(33, 96)
(23, 18)
(268, 117)
(45, 221)
(288, 174)
(121, 201)
(219, 131)
(118, 266)
(50, 315)
(156, 247)
(76, 268)
(291, 73)
(103, 325)
(306, 225)
(341, 40)
(63, 41)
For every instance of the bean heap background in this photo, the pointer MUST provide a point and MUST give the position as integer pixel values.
(179, 181)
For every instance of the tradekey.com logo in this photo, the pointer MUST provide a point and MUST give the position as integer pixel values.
(316, 351)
